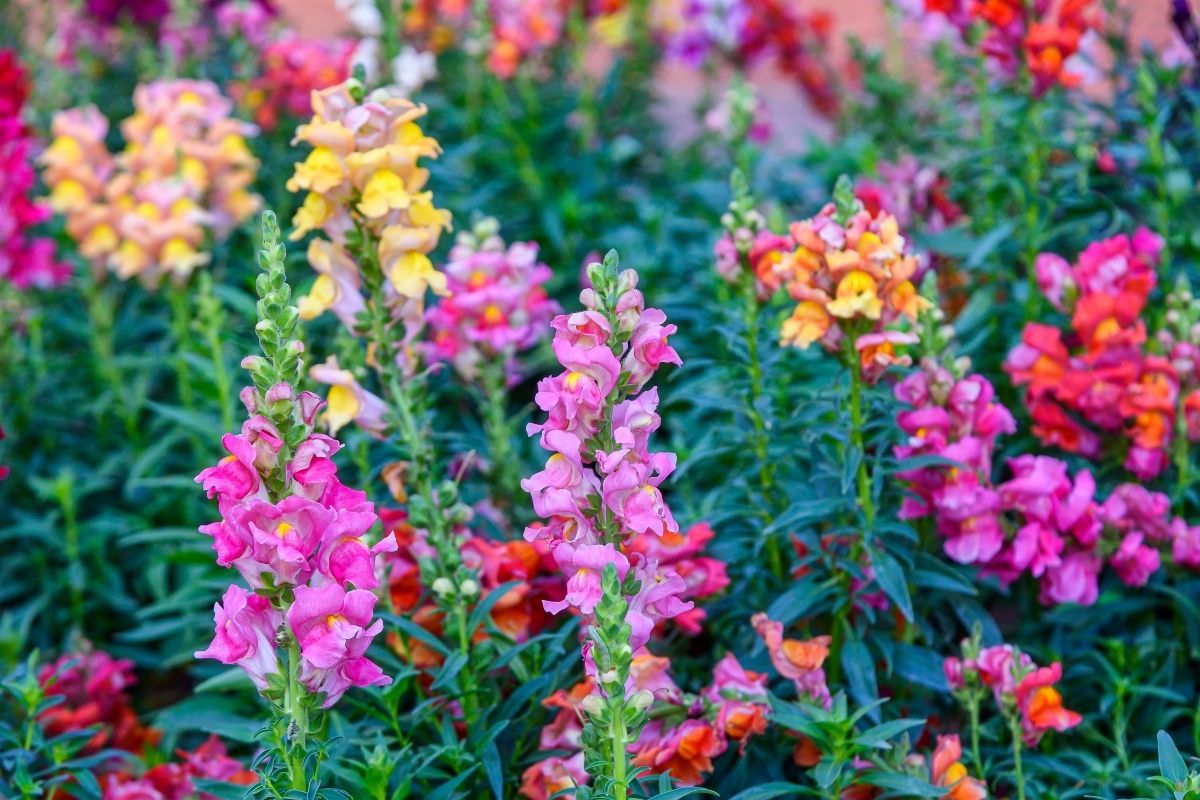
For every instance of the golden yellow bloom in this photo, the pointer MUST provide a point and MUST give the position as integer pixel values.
(314, 213)
(321, 172)
(856, 296)
(384, 192)
(68, 195)
(342, 407)
(322, 295)
(99, 242)
(808, 323)
(411, 273)
(905, 299)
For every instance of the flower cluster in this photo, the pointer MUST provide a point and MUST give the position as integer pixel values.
(365, 192)
(290, 70)
(746, 32)
(175, 780)
(92, 689)
(1020, 37)
(183, 177)
(600, 486)
(1042, 520)
(687, 732)
(1018, 685)
(289, 527)
(915, 194)
(25, 261)
(1099, 376)
(497, 305)
(852, 276)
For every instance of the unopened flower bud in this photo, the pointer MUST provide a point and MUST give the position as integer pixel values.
(626, 281)
(253, 362)
(641, 700)
(608, 676)
(593, 705)
(443, 587)
(279, 393)
(469, 588)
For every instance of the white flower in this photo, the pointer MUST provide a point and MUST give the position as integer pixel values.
(363, 16)
(412, 69)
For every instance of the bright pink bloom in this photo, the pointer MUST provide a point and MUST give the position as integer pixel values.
(1134, 561)
(334, 629)
(1076, 580)
(247, 625)
(584, 567)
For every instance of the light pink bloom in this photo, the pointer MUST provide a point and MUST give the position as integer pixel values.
(1135, 562)
(584, 567)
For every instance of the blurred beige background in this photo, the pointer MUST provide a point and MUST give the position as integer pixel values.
(864, 18)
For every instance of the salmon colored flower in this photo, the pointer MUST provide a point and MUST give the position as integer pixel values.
(801, 661)
(1041, 705)
(948, 770)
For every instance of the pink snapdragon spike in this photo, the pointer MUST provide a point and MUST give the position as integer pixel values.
(294, 532)
(497, 306)
(609, 353)
(26, 261)
(1042, 521)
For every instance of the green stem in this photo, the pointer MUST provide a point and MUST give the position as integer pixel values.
(973, 710)
(620, 748)
(1014, 729)
(181, 314)
(101, 316)
(751, 326)
(526, 165)
(295, 739)
(75, 569)
(1119, 728)
(496, 429)
(865, 499)
(221, 380)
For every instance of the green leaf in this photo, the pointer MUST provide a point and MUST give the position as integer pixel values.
(450, 669)
(859, 667)
(890, 578)
(902, 785)
(883, 733)
(1170, 763)
(769, 790)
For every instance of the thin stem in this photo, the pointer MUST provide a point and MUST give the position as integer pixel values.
(101, 314)
(751, 326)
(865, 499)
(496, 428)
(1014, 729)
(1119, 728)
(973, 710)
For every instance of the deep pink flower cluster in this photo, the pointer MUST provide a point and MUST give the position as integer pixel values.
(310, 539)
(600, 487)
(25, 261)
(497, 304)
(1018, 683)
(1098, 377)
(1042, 520)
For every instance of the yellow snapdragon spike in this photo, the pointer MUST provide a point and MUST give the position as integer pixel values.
(321, 172)
(384, 192)
(314, 213)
